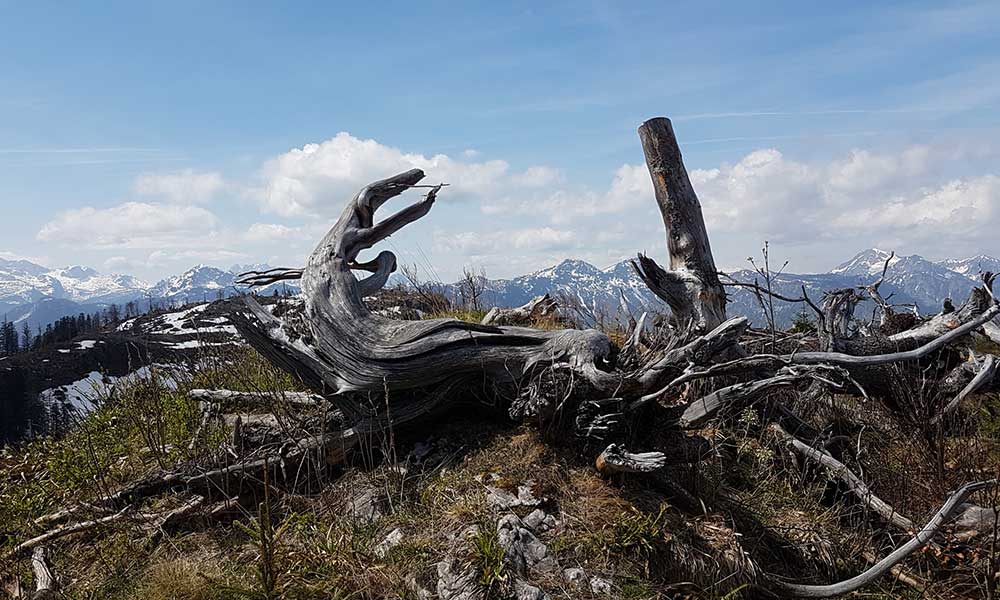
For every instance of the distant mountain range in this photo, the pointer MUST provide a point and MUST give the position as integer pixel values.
(38, 295)
(909, 280)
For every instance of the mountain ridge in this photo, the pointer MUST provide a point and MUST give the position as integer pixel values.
(34, 293)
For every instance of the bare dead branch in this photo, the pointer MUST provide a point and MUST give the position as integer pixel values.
(615, 459)
(853, 482)
(984, 376)
(922, 537)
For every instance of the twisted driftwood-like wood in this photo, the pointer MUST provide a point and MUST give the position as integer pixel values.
(537, 308)
(346, 349)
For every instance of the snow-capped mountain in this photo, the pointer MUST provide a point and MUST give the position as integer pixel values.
(972, 267)
(866, 263)
(204, 283)
(909, 280)
(598, 291)
(83, 284)
(24, 282)
(38, 295)
(198, 283)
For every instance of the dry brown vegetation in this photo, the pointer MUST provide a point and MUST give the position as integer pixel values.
(764, 509)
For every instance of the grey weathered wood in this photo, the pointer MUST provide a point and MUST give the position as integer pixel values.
(873, 291)
(45, 582)
(66, 530)
(848, 361)
(839, 470)
(979, 302)
(537, 308)
(837, 316)
(259, 399)
(348, 350)
(739, 394)
(992, 332)
(922, 537)
(983, 376)
(615, 459)
(691, 286)
(702, 350)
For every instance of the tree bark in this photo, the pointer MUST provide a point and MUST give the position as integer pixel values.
(45, 581)
(341, 348)
(691, 286)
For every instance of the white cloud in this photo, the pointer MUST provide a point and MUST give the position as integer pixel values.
(181, 187)
(318, 178)
(867, 195)
(13, 256)
(260, 232)
(130, 225)
(122, 264)
(538, 177)
(935, 199)
(958, 207)
(866, 171)
(498, 242)
(159, 258)
(629, 189)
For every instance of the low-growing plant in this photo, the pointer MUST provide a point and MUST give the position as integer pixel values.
(489, 560)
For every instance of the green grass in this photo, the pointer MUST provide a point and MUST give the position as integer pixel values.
(489, 560)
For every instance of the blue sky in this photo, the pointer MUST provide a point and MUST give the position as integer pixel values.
(145, 138)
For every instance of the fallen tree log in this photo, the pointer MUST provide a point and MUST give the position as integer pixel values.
(264, 400)
(536, 309)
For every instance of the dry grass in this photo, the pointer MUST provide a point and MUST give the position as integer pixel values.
(763, 511)
(185, 578)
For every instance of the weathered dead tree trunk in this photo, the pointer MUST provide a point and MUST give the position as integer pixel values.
(691, 287)
(339, 347)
